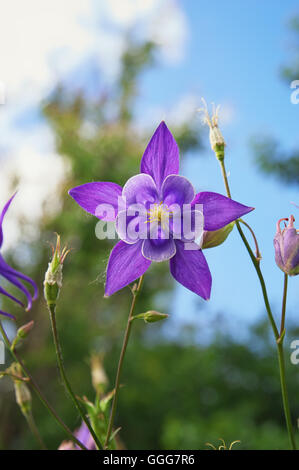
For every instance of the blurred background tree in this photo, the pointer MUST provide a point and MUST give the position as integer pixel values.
(179, 393)
(270, 157)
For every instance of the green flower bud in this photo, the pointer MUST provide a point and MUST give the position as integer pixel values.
(217, 237)
(216, 138)
(53, 277)
(151, 316)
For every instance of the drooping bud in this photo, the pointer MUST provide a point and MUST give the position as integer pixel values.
(53, 277)
(98, 374)
(22, 333)
(216, 237)
(151, 316)
(216, 138)
(286, 245)
(22, 392)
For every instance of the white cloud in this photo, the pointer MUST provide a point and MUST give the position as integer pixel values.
(42, 42)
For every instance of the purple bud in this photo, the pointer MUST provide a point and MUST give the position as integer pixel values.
(286, 244)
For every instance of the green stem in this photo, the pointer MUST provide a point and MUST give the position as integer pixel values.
(284, 392)
(281, 361)
(254, 260)
(279, 337)
(120, 362)
(52, 308)
(38, 392)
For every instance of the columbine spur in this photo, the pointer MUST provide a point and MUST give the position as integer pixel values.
(157, 187)
(13, 276)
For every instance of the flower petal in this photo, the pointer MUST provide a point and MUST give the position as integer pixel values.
(219, 210)
(140, 189)
(158, 250)
(96, 198)
(125, 265)
(7, 315)
(189, 268)
(5, 208)
(176, 189)
(12, 297)
(161, 157)
(12, 276)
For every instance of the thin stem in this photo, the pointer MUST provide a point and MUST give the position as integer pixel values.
(38, 392)
(33, 428)
(64, 378)
(279, 337)
(284, 303)
(120, 362)
(284, 393)
(281, 361)
(257, 250)
(253, 258)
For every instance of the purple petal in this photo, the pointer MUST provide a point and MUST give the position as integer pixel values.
(96, 198)
(219, 210)
(12, 276)
(158, 250)
(161, 157)
(177, 189)
(131, 228)
(189, 268)
(7, 315)
(140, 189)
(4, 292)
(125, 265)
(290, 252)
(5, 208)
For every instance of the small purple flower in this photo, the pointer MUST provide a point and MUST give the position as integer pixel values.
(286, 245)
(84, 436)
(158, 188)
(13, 276)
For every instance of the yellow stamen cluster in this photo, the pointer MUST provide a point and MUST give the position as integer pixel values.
(158, 213)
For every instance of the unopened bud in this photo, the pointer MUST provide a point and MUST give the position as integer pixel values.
(216, 237)
(286, 244)
(216, 138)
(22, 333)
(151, 316)
(53, 277)
(22, 392)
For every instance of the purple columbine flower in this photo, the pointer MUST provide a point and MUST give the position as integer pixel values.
(13, 276)
(157, 188)
(286, 245)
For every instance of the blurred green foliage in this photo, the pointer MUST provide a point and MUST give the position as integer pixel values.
(270, 157)
(177, 393)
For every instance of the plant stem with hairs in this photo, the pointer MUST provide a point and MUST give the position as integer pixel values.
(52, 310)
(135, 293)
(37, 390)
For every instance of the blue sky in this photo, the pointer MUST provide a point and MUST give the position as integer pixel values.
(228, 52)
(233, 57)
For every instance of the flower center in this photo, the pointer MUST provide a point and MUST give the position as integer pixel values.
(158, 213)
